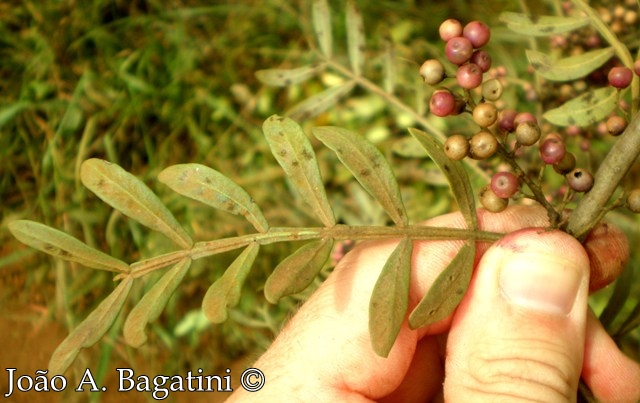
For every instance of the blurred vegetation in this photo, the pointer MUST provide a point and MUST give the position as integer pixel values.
(148, 84)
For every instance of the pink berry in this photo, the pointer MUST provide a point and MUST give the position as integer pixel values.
(620, 77)
(482, 59)
(458, 50)
(450, 29)
(469, 76)
(506, 119)
(442, 102)
(504, 184)
(524, 117)
(552, 150)
(580, 180)
(477, 32)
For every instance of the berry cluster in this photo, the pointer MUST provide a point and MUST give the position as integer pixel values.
(506, 132)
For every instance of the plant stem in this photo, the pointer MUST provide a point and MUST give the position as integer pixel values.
(611, 171)
(338, 232)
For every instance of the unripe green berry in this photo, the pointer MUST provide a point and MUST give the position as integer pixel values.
(616, 125)
(482, 145)
(485, 114)
(566, 164)
(490, 201)
(492, 89)
(456, 147)
(633, 201)
(432, 72)
(527, 133)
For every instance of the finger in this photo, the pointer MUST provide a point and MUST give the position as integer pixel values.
(520, 330)
(611, 376)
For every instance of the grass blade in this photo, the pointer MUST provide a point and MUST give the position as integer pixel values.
(368, 166)
(321, 16)
(315, 105)
(128, 194)
(568, 68)
(297, 271)
(355, 37)
(455, 173)
(212, 188)
(542, 26)
(152, 303)
(447, 291)
(64, 246)
(287, 77)
(293, 151)
(91, 329)
(224, 293)
(390, 299)
(585, 110)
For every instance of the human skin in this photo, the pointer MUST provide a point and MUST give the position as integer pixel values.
(523, 331)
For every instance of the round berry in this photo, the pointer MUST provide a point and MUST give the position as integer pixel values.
(450, 29)
(458, 50)
(485, 114)
(566, 164)
(482, 59)
(456, 147)
(491, 201)
(477, 32)
(524, 117)
(492, 90)
(506, 119)
(442, 102)
(432, 71)
(616, 125)
(469, 76)
(633, 201)
(580, 180)
(504, 184)
(620, 77)
(552, 149)
(527, 133)
(482, 145)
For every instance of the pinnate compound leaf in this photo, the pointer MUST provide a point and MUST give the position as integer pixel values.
(368, 166)
(91, 329)
(585, 110)
(315, 105)
(390, 299)
(542, 26)
(321, 16)
(212, 188)
(293, 151)
(152, 303)
(128, 194)
(355, 37)
(64, 246)
(447, 291)
(224, 293)
(568, 68)
(455, 173)
(287, 77)
(297, 271)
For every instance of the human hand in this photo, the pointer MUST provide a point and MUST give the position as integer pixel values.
(523, 331)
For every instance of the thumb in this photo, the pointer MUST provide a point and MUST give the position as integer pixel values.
(519, 333)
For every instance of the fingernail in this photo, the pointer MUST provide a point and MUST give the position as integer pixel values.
(535, 280)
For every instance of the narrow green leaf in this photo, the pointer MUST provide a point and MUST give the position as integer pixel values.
(315, 105)
(321, 16)
(389, 64)
(542, 26)
(390, 299)
(291, 147)
(128, 194)
(455, 173)
(91, 329)
(368, 166)
(224, 293)
(409, 147)
(297, 271)
(210, 187)
(447, 291)
(64, 246)
(585, 110)
(287, 77)
(568, 68)
(152, 303)
(355, 37)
